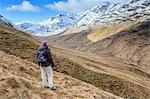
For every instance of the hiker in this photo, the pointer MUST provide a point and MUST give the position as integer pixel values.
(46, 63)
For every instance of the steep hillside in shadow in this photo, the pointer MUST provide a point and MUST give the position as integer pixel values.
(132, 45)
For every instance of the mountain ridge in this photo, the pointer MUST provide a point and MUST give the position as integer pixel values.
(51, 26)
(105, 13)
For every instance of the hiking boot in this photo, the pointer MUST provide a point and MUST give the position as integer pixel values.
(53, 88)
(46, 87)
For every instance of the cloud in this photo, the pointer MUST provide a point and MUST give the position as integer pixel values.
(73, 5)
(25, 6)
(77, 5)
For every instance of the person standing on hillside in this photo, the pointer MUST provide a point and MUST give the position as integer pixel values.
(45, 62)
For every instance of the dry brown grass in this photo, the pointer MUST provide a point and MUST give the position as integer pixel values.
(99, 33)
(20, 79)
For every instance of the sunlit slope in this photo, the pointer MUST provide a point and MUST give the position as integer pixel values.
(99, 33)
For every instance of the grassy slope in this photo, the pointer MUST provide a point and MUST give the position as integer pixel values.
(20, 79)
(19, 44)
(109, 83)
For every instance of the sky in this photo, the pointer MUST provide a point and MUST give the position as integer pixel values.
(37, 10)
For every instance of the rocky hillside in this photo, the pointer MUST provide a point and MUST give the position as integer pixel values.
(110, 14)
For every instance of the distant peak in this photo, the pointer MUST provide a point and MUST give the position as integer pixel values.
(103, 7)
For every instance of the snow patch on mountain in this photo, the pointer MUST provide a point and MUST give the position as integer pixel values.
(34, 29)
(51, 26)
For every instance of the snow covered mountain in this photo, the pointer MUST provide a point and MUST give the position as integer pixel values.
(5, 21)
(90, 16)
(51, 26)
(108, 13)
(103, 14)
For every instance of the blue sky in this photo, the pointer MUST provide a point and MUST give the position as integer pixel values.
(36, 10)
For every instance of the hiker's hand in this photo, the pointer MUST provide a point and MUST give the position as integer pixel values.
(53, 65)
